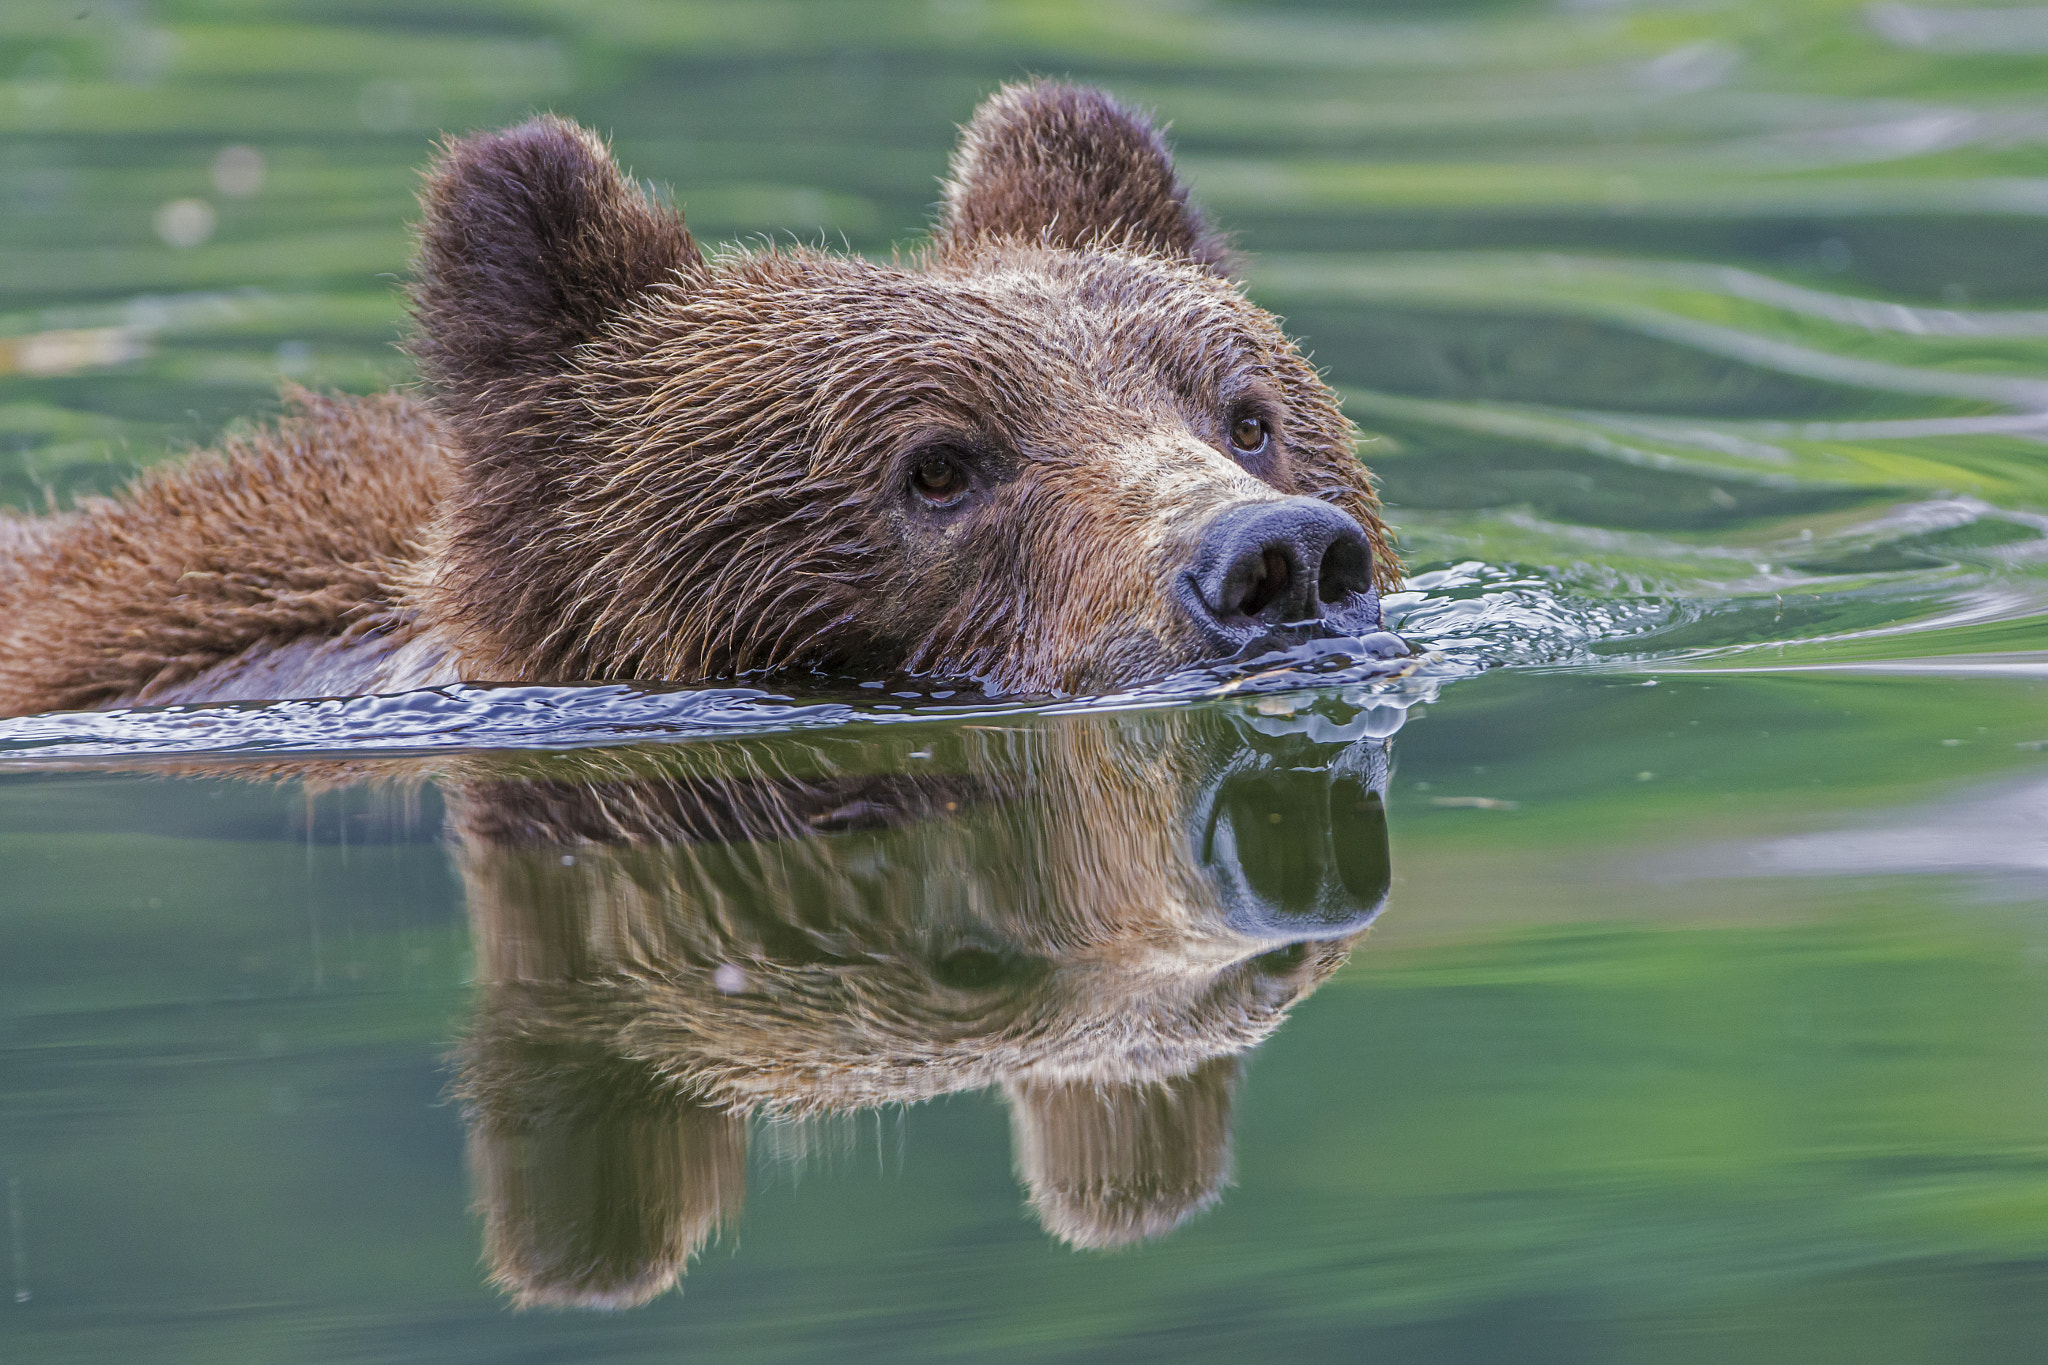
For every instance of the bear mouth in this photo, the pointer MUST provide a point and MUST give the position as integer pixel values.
(1362, 642)
(1353, 620)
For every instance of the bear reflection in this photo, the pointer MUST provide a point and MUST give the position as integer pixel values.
(1098, 914)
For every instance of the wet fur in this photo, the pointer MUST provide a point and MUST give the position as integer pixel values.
(301, 531)
(641, 463)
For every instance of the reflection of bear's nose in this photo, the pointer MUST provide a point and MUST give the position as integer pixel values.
(1266, 564)
(1297, 853)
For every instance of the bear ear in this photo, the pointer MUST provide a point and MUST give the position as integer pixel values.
(1070, 167)
(531, 239)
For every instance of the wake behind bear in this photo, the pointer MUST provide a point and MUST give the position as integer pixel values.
(1058, 450)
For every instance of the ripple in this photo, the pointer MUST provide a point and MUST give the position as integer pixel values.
(457, 717)
(1370, 683)
(1474, 616)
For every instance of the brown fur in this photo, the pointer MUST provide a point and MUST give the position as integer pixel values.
(1068, 167)
(643, 464)
(300, 530)
(597, 1183)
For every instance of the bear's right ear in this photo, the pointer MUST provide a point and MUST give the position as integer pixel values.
(1111, 1163)
(531, 239)
(1067, 166)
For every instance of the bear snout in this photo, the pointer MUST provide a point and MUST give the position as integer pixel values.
(1284, 566)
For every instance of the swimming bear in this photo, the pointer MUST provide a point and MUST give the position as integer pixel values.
(1055, 449)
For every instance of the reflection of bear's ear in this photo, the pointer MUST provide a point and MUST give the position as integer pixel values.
(1112, 1164)
(531, 240)
(596, 1185)
(1070, 167)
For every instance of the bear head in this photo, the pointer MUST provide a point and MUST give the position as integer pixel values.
(1056, 450)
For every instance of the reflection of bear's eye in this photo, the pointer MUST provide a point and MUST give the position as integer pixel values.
(938, 480)
(1248, 435)
(978, 969)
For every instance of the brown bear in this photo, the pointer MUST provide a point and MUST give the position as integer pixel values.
(1101, 918)
(1057, 449)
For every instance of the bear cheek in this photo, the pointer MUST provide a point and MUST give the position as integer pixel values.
(1111, 621)
(1104, 584)
(938, 582)
(1131, 651)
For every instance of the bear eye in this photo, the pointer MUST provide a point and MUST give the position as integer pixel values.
(938, 480)
(1249, 434)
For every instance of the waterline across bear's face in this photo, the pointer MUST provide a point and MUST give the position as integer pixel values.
(1058, 450)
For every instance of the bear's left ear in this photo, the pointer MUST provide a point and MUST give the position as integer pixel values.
(531, 239)
(597, 1183)
(1068, 166)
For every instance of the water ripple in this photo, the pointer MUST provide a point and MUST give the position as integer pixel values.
(1474, 616)
(1371, 689)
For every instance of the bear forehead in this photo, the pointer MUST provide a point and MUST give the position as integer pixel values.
(1018, 322)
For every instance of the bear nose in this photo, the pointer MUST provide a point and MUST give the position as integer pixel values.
(1265, 564)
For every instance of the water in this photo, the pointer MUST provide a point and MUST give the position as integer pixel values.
(1703, 357)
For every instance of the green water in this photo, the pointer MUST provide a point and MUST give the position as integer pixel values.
(1701, 346)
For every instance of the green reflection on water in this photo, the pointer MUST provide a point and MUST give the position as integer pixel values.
(1726, 1000)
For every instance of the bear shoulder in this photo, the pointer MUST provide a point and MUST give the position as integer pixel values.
(311, 527)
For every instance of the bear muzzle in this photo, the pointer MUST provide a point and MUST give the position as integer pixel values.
(1276, 572)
